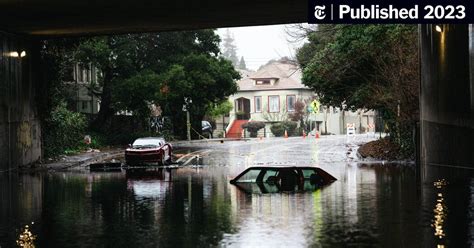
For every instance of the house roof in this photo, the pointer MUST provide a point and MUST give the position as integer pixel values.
(288, 76)
(244, 73)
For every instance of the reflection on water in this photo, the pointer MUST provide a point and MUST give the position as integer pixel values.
(369, 205)
(440, 211)
(26, 238)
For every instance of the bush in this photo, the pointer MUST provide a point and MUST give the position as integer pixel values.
(278, 129)
(64, 131)
(253, 127)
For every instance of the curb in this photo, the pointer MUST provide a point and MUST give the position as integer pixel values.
(186, 142)
(63, 165)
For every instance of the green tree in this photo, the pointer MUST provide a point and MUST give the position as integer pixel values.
(229, 50)
(160, 68)
(220, 109)
(367, 66)
(63, 129)
(318, 38)
(207, 80)
(242, 64)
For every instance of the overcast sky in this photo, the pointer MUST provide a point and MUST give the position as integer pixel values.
(259, 44)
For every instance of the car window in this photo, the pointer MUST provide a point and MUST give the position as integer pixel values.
(269, 173)
(148, 142)
(308, 172)
(250, 176)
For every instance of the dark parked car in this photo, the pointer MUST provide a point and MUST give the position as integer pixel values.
(270, 179)
(206, 128)
(148, 150)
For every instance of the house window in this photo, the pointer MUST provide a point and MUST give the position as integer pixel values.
(84, 105)
(273, 104)
(79, 73)
(258, 104)
(290, 103)
(88, 75)
(263, 82)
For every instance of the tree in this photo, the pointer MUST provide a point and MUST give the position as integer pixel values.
(366, 66)
(207, 80)
(229, 50)
(300, 114)
(220, 109)
(158, 68)
(62, 128)
(318, 38)
(282, 115)
(242, 65)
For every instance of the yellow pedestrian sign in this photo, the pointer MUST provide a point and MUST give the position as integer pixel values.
(315, 106)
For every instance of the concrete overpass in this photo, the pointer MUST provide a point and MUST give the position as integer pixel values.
(58, 18)
(447, 83)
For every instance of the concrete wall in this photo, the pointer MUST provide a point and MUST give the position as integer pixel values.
(446, 99)
(20, 130)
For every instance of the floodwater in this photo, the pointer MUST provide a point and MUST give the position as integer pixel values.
(370, 205)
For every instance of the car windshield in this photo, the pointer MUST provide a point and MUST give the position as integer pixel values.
(147, 143)
(260, 175)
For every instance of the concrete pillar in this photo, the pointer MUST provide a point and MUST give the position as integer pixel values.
(446, 101)
(20, 131)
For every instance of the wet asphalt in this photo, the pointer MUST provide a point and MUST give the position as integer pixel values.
(299, 151)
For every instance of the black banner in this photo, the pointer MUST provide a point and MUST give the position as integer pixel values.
(373, 11)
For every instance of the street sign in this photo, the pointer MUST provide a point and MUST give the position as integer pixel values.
(315, 105)
(350, 129)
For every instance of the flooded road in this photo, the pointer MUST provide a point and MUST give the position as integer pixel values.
(370, 205)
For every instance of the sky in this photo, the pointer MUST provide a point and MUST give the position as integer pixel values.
(259, 44)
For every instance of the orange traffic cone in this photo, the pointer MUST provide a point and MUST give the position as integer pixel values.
(304, 135)
(242, 134)
(316, 135)
(286, 134)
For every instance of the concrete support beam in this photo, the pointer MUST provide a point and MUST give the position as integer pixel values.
(60, 18)
(20, 130)
(446, 101)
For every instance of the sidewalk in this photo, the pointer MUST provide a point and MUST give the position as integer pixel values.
(82, 160)
(79, 161)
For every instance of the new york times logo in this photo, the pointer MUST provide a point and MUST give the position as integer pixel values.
(319, 12)
(390, 11)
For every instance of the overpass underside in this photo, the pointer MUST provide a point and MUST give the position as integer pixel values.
(446, 101)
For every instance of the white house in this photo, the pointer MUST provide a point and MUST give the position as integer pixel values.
(84, 90)
(270, 95)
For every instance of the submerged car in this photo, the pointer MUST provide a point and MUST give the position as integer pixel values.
(267, 179)
(149, 150)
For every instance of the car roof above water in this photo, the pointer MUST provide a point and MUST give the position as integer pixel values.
(328, 177)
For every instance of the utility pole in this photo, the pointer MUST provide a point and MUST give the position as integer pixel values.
(188, 125)
(187, 102)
